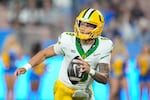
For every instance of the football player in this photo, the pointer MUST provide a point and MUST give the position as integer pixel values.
(94, 52)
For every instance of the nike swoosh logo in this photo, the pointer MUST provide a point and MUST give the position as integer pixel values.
(104, 57)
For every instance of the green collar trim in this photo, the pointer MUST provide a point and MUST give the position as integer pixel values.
(90, 51)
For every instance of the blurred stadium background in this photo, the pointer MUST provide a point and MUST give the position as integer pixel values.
(43, 20)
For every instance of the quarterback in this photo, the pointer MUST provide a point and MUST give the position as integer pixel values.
(86, 49)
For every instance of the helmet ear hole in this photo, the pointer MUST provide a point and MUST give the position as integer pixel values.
(79, 22)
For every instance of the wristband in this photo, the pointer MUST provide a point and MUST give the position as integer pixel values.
(92, 72)
(27, 66)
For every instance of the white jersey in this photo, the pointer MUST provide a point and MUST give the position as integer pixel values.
(69, 46)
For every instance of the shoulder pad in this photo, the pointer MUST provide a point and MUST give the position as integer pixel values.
(70, 33)
(104, 38)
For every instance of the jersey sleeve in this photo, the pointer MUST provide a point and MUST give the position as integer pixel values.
(58, 47)
(106, 55)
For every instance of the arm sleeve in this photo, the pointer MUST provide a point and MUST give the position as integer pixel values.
(106, 56)
(58, 47)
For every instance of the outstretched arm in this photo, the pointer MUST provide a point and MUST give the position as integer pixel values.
(41, 56)
(37, 59)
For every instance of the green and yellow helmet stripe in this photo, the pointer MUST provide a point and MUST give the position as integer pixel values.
(88, 13)
(85, 12)
(91, 13)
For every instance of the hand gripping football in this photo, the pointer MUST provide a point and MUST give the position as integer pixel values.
(74, 71)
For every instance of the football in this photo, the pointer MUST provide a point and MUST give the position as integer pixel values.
(74, 71)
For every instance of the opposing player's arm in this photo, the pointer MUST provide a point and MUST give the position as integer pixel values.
(102, 76)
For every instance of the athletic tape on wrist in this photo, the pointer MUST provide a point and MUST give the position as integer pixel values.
(92, 72)
(27, 66)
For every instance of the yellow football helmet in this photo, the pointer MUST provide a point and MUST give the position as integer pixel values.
(90, 16)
